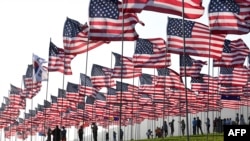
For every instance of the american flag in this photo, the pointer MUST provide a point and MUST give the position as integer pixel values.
(169, 78)
(229, 16)
(89, 104)
(236, 76)
(193, 67)
(234, 54)
(31, 88)
(205, 84)
(151, 53)
(228, 89)
(86, 87)
(193, 9)
(124, 67)
(62, 100)
(72, 93)
(16, 98)
(128, 92)
(111, 95)
(148, 85)
(100, 100)
(230, 101)
(108, 23)
(75, 38)
(101, 76)
(198, 40)
(58, 60)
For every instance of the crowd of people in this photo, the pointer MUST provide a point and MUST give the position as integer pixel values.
(58, 134)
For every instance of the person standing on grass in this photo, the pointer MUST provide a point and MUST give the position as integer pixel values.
(80, 133)
(114, 135)
(199, 126)
(165, 128)
(194, 123)
(208, 125)
(171, 124)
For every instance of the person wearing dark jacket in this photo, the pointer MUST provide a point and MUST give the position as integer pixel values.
(49, 132)
(199, 126)
(94, 130)
(80, 133)
(56, 134)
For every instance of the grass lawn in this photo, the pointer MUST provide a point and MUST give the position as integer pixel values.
(210, 137)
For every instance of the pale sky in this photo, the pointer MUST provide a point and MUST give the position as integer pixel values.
(26, 27)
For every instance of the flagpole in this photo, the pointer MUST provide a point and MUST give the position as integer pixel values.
(185, 69)
(120, 113)
(45, 114)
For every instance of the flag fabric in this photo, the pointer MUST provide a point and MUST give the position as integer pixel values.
(151, 53)
(40, 72)
(229, 16)
(31, 88)
(111, 96)
(124, 67)
(230, 101)
(193, 67)
(75, 38)
(230, 97)
(86, 87)
(228, 89)
(234, 54)
(108, 23)
(72, 93)
(128, 92)
(236, 76)
(205, 84)
(100, 100)
(198, 39)
(101, 76)
(58, 60)
(193, 9)
(148, 85)
(169, 78)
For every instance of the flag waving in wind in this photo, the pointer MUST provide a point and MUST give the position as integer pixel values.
(75, 38)
(193, 9)
(229, 16)
(40, 72)
(198, 40)
(109, 23)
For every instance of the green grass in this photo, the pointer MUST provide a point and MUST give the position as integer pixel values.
(210, 137)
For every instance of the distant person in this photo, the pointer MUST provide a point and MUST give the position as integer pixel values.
(208, 125)
(63, 134)
(165, 128)
(94, 130)
(194, 124)
(49, 132)
(199, 126)
(242, 120)
(107, 136)
(56, 134)
(121, 134)
(183, 127)
(171, 124)
(249, 120)
(149, 133)
(237, 119)
(114, 135)
(80, 133)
